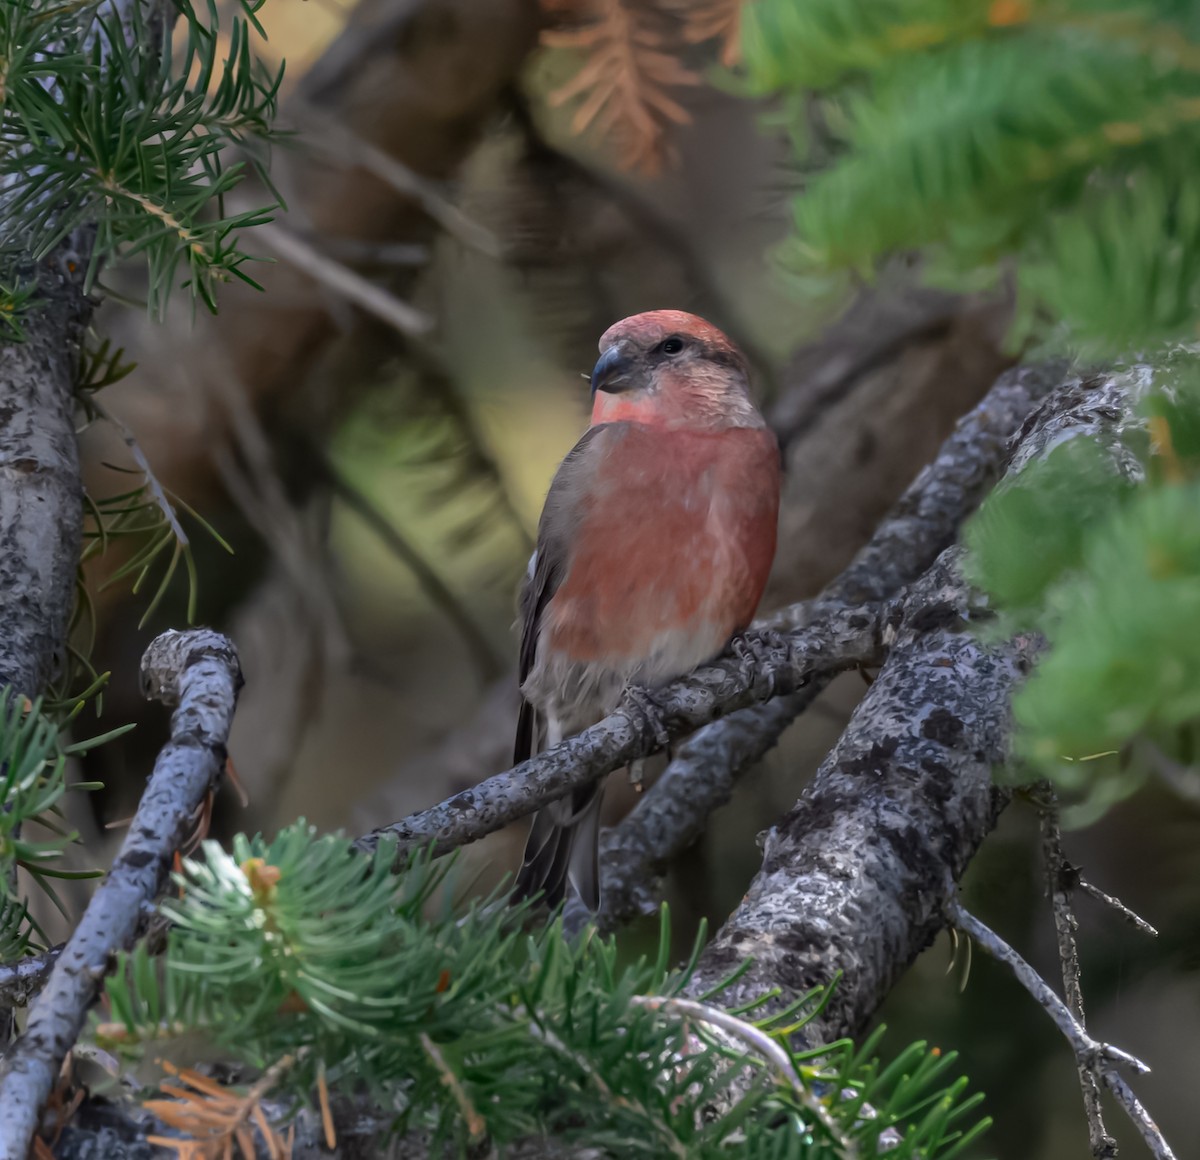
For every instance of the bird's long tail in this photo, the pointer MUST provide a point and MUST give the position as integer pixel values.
(563, 847)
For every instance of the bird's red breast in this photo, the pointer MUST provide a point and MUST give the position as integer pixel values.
(669, 559)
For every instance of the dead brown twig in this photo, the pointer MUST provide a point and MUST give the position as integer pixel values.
(216, 1118)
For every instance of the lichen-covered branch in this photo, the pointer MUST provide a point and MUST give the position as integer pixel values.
(923, 522)
(198, 673)
(842, 639)
(854, 877)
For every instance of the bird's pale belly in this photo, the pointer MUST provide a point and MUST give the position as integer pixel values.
(660, 631)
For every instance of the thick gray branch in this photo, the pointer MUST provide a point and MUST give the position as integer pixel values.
(842, 639)
(197, 672)
(856, 878)
(923, 522)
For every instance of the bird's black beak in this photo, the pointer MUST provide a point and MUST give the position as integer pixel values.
(613, 371)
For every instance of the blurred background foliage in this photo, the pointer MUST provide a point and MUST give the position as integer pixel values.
(515, 176)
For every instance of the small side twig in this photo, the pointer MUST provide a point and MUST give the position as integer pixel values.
(1100, 1058)
(161, 499)
(198, 673)
(351, 285)
(430, 582)
(1059, 884)
(334, 138)
(1113, 903)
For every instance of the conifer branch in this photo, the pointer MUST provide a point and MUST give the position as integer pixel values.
(197, 673)
(623, 87)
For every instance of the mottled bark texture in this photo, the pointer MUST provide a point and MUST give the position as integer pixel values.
(840, 640)
(924, 521)
(198, 672)
(41, 497)
(857, 877)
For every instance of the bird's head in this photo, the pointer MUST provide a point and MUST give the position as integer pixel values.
(668, 368)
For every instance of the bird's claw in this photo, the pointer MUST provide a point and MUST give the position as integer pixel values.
(761, 653)
(645, 707)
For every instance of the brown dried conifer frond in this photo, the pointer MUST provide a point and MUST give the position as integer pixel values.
(624, 84)
(217, 1119)
(719, 20)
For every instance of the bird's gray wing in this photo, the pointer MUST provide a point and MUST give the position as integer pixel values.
(563, 839)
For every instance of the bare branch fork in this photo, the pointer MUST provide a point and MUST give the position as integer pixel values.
(198, 673)
(1098, 1060)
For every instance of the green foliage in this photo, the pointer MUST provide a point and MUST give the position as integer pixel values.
(1109, 571)
(103, 123)
(471, 1027)
(1059, 135)
(32, 783)
(1029, 534)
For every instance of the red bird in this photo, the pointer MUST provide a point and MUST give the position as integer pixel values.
(653, 551)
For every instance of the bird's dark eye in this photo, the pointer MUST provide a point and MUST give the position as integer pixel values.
(671, 346)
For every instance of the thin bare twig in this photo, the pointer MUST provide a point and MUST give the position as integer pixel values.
(1059, 875)
(1183, 779)
(1100, 1058)
(333, 138)
(161, 499)
(198, 673)
(361, 252)
(431, 584)
(351, 285)
(1130, 916)
(476, 1125)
